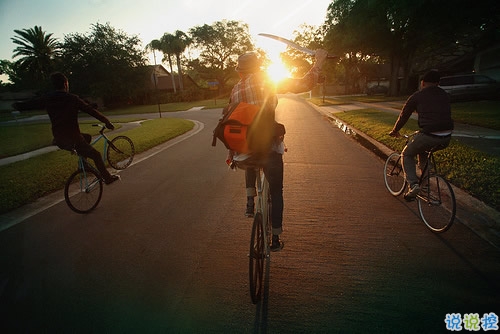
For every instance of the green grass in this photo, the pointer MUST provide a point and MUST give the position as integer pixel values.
(17, 138)
(25, 181)
(481, 113)
(471, 170)
(6, 115)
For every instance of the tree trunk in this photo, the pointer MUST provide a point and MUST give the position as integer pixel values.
(394, 81)
(172, 73)
(179, 70)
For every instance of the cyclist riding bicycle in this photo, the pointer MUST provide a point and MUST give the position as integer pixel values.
(432, 104)
(255, 87)
(63, 108)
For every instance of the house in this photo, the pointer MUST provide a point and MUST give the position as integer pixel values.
(164, 82)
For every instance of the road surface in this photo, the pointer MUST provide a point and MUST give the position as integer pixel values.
(166, 249)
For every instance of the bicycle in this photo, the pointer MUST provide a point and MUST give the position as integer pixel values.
(260, 239)
(436, 199)
(83, 189)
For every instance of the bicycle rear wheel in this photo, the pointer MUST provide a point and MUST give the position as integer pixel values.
(393, 174)
(83, 190)
(436, 203)
(120, 152)
(256, 257)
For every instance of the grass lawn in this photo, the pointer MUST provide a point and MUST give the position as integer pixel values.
(473, 171)
(25, 181)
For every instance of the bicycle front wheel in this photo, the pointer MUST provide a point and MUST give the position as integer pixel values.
(393, 174)
(83, 191)
(256, 258)
(436, 203)
(120, 152)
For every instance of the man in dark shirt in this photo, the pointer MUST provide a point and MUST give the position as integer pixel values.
(432, 105)
(63, 109)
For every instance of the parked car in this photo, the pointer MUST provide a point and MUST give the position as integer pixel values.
(378, 89)
(470, 87)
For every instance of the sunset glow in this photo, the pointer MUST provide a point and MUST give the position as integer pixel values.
(277, 71)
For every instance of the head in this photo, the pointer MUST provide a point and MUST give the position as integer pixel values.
(59, 81)
(249, 62)
(431, 78)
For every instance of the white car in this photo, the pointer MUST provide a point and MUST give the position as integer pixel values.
(470, 87)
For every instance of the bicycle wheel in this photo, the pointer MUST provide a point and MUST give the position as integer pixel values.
(256, 258)
(83, 190)
(120, 152)
(436, 203)
(393, 174)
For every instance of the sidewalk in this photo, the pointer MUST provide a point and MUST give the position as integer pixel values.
(479, 217)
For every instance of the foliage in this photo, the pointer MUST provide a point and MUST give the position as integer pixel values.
(296, 61)
(36, 52)
(219, 46)
(105, 63)
(402, 33)
(170, 45)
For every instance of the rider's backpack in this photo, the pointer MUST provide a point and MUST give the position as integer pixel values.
(247, 128)
(233, 127)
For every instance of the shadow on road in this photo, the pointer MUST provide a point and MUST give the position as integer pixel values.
(261, 311)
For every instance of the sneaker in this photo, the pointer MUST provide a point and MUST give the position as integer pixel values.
(111, 179)
(276, 244)
(412, 192)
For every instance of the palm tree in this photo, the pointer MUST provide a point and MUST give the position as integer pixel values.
(179, 44)
(38, 51)
(167, 43)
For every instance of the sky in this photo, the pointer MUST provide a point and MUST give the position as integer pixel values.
(150, 19)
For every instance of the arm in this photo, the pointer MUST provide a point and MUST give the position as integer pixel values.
(89, 109)
(308, 81)
(409, 107)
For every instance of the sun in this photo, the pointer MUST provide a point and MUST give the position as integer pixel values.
(277, 71)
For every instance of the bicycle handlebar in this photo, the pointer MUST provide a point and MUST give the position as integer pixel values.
(102, 126)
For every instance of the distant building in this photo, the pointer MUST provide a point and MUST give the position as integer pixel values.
(164, 80)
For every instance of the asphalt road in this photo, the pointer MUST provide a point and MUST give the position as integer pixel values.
(166, 249)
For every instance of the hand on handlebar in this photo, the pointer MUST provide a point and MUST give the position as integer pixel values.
(110, 126)
(395, 134)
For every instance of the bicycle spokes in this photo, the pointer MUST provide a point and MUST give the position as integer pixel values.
(436, 203)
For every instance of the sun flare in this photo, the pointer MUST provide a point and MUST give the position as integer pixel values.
(277, 71)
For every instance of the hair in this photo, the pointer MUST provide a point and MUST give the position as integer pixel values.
(58, 80)
(432, 76)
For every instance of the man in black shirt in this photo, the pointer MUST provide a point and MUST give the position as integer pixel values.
(63, 108)
(432, 105)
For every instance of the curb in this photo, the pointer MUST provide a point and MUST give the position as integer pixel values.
(482, 219)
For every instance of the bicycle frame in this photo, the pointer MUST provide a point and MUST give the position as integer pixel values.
(436, 199)
(83, 165)
(101, 136)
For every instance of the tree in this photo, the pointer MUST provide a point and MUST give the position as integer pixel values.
(106, 63)
(37, 52)
(407, 33)
(179, 44)
(166, 43)
(219, 46)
